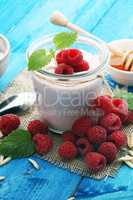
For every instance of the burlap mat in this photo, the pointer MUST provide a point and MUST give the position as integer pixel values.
(24, 83)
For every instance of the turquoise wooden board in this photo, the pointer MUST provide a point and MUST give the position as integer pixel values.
(23, 21)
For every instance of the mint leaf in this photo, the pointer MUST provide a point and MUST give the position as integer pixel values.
(18, 144)
(39, 59)
(124, 94)
(64, 39)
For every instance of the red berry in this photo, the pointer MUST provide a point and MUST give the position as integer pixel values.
(95, 161)
(130, 117)
(64, 69)
(84, 146)
(36, 126)
(109, 150)
(68, 136)
(60, 57)
(97, 134)
(119, 138)
(82, 66)
(73, 56)
(43, 143)
(8, 123)
(67, 151)
(120, 108)
(81, 125)
(105, 102)
(95, 115)
(111, 122)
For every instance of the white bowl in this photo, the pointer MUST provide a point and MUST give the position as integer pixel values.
(122, 77)
(4, 53)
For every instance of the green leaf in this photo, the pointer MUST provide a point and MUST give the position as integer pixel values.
(39, 59)
(64, 39)
(127, 96)
(18, 144)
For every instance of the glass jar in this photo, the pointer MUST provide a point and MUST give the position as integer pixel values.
(64, 98)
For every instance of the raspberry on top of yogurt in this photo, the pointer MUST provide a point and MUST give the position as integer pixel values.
(70, 61)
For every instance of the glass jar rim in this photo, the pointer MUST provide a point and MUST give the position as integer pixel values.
(48, 38)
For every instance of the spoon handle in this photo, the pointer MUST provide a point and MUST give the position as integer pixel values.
(59, 19)
(13, 110)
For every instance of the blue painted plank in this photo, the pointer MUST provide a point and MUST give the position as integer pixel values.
(92, 13)
(11, 12)
(95, 189)
(117, 23)
(49, 183)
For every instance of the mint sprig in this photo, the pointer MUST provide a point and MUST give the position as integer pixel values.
(124, 94)
(18, 144)
(40, 58)
(64, 39)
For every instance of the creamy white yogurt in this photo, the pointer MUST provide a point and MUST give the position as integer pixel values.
(61, 102)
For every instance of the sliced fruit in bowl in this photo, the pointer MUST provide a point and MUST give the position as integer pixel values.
(122, 72)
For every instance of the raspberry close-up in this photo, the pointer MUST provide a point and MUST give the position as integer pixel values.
(81, 66)
(109, 150)
(119, 138)
(67, 151)
(68, 136)
(37, 126)
(97, 134)
(120, 108)
(60, 57)
(84, 146)
(73, 56)
(130, 117)
(111, 122)
(95, 161)
(64, 69)
(43, 143)
(8, 123)
(81, 125)
(105, 102)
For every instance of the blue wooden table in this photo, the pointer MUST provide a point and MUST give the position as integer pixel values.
(22, 21)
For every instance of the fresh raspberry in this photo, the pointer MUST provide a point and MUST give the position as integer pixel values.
(120, 108)
(105, 102)
(82, 66)
(43, 143)
(64, 69)
(67, 150)
(60, 57)
(130, 117)
(81, 126)
(36, 126)
(68, 136)
(8, 123)
(119, 138)
(97, 134)
(95, 114)
(111, 122)
(84, 146)
(95, 161)
(73, 56)
(109, 150)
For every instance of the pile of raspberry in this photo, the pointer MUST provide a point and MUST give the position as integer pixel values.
(70, 61)
(96, 140)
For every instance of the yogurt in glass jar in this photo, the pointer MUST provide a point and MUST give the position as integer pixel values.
(64, 98)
